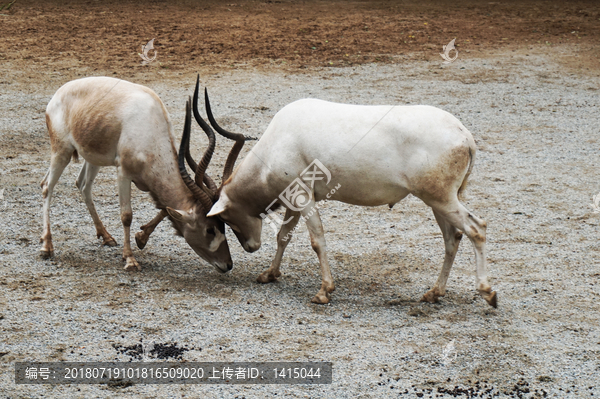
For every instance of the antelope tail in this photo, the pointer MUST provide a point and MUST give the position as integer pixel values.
(462, 187)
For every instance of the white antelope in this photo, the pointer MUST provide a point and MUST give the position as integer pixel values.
(375, 155)
(112, 122)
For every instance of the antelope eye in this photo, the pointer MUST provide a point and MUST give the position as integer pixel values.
(211, 231)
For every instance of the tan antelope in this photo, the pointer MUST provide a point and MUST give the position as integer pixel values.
(360, 155)
(112, 122)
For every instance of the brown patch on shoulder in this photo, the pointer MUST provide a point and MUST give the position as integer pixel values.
(136, 162)
(443, 179)
(96, 131)
(92, 115)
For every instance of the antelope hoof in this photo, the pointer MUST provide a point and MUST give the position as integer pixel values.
(107, 239)
(432, 296)
(141, 239)
(109, 242)
(132, 265)
(46, 253)
(268, 277)
(492, 299)
(321, 298)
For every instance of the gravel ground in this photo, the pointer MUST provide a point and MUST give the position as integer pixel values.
(537, 130)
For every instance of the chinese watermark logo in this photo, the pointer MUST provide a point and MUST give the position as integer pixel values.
(147, 349)
(446, 54)
(2, 198)
(299, 193)
(145, 50)
(447, 354)
(596, 204)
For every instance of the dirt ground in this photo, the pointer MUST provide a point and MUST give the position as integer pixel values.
(108, 34)
(525, 84)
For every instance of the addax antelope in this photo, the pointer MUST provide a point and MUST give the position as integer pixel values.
(112, 122)
(362, 155)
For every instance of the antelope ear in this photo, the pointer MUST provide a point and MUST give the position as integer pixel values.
(181, 216)
(219, 207)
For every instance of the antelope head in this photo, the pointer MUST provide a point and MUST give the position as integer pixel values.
(205, 234)
(244, 224)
